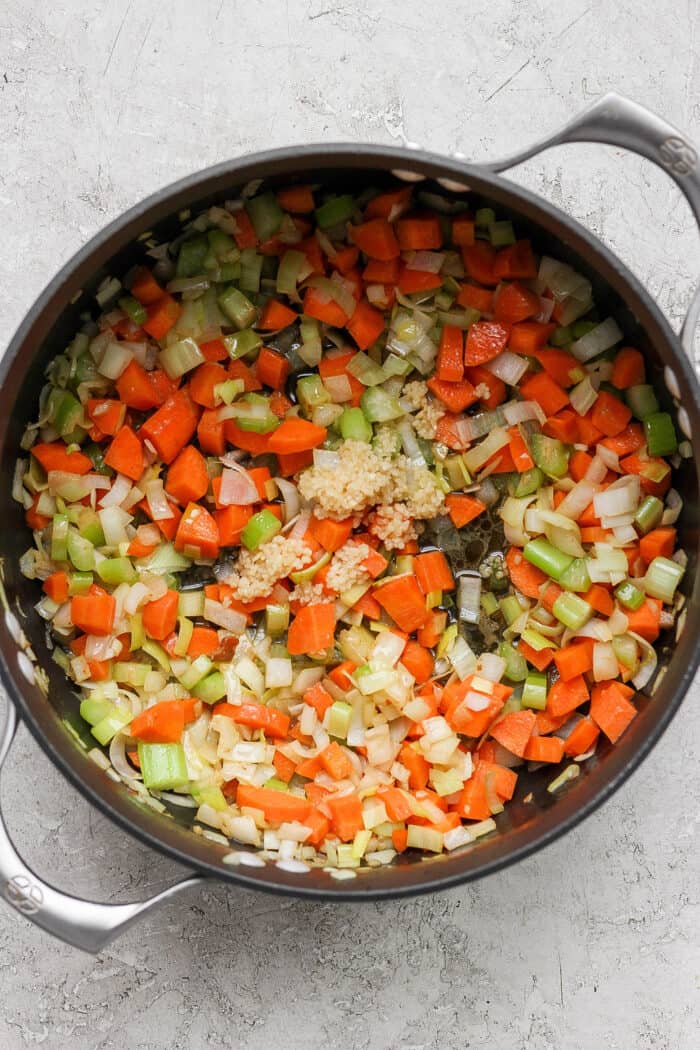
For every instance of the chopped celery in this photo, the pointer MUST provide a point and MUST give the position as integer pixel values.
(180, 357)
(164, 559)
(90, 527)
(629, 595)
(81, 552)
(501, 233)
(576, 577)
(265, 214)
(311, 348)
(276, 619)
(130, 673)
(136, 632)
(660, 434)
(254, 414)
(649, 514)
(229, 390)
(190, 259)
(489, 603)
(251, 268)
(543, 555)
(242, 343)
(572, 611)
(158, 653)
(537, 641)
(221, 244)
(483, 218)
(276, 784)
(626, 651)
(353, 424)
(209, 795)
(642, 400)
(80, 583)
(447, 640)
(163, 766)
(116, 570)
(335, 210)
(366, 370)
(311, 392)
(196, 672)
(535, 690)
(68, 414)
(511, 609)
(237, 307)
(516, 664)
(339, 716)
(662, 578)
(308, 573)
(133, 309)
(379, 407)
(190, 603)
(184, 636)
(396, 366)
(259, 529)
(292, 265)
(109, 726)
(550, 455)
(561, 336)
(525, 484)
(59, 537)
(211, 688)
(94, 708)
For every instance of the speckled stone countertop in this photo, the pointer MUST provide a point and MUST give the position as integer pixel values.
(593, 942)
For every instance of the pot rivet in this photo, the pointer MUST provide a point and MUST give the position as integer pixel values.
(453, 185)
(407, 176)
(672, 382)
(684, 423)
(12, 624)
(25, 666)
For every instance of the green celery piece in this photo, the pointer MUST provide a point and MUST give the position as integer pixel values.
(116, 570)
(251, 268)
(210, 795)
(69, 412)
(380, 407)
(571, 610)
(629, 595)
(190, 259)
(535, 691)
(242, 343)
(110, 726)
(291, 265)
(196, 671)
(353, 425)
(81, 552)
(550, 455)
(90, 527)
(662, 578)
(543, 555)
(516, 664)
(339, 718)
(94, 708)
(561, 336)
(525, 484)
(334, 211)
(265, 214)
(165, 559)
(510, 608)
(133, 309)
(80, 583)
(259, 529)
(576, 577)
(220, 243)
(484, 217)
(649, 514)
(163, 766)
(501, 233)
(237, 307)
(131, 673)
(642, 400)
(660, 434)
(311, 392)
(276, 619)
(59, 537)
(211, 688)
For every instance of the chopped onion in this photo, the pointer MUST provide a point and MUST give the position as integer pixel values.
(508, 367)
(599, 339)
(523, 411)
(618, 622)
(648, 664)
(114, 521)
(410, 442)
(469, 597)
(158, 503)
(115, 359)
(230, 619)
(622, 497)
(300, 526)
(610, 458)
(674, 505)
(576, 501)
(121, 487)
(477, 701)
(237, 487)
(477, 457)
(546, 310)
(387, 650)
(98, 647)
(491, 666)
(325, 457)
(117, 756)
(604, 662)
(290, 495)
(428, 262)
(596, 470)
(584, 395)
(339, 388)
(597, 629)
(137, 596)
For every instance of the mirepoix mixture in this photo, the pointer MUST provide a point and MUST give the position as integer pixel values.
(345, 510)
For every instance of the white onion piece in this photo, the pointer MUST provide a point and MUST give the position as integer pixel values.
(477, 701)
(604, 662)
(237, 488)
(149, 535)
(618, 621)
(428, 262)
(508, 367)
(522, 411)
(62, 616)
(339, 388)
(584, 395)
(674, 505)
(117, 756)
(98, 647)
(576, 501)
(597, 629)
(158, 503)
(230, 619)
(600, 338)
(121, 487)
(290, 495)
(469, 597)
(232, 458)
(648, 664)
(624, 534)
(326, 457)
(491, 666)
(137, 596)
(301, 526)
(596, 470)
(134, 496)
(610, 458)
(622, 497)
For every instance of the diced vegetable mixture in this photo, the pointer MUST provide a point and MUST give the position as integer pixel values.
(345, 510)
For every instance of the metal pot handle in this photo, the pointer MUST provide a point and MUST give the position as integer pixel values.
(84, 924)
(618, 121)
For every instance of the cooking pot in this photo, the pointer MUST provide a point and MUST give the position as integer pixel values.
(535, 816)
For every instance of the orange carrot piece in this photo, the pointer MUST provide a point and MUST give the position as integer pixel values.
(256, 716)
(162, 723)
(204, 641)
(581, 738)
(312, 630)
(433, 572)
(272, 368)
(514, 731)
(609, 414)
(145, 288)
(628, 369)
(54, 456)
(403, 600)
(160, 616)
(106, 414)
(659, 543)
(56, 587)
(549, 395)
(418, 661)
(541, 659)
(198, 530)
(544, 749)
(284, 767)
(296, 435)
(455, 396)
(171, 426)
(463, 509)
(278, 806)
(93, 612)
(417, 766)
(600, 598)
(525, 577)
(366, 324)
(565, 697)
(646, 620)
(188, 478)
(319, 698)
(335, 761)
(514, 302)
(611, 709)
(574, 659)
(297, 199)
(485, 340)
(346, 816)
(376, 239)
(162, 315)
(230, 522)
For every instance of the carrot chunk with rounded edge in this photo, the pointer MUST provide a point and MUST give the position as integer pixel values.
(335, 762)
(419, 233)
(581, 738)
(433, 572)
(514, 731)
(278, 806)
(296, 435)
(257, 716)
(346, 816)
(272, 368)
(376, 238)
(93, 612)
(411, 281)
(485, 340)
(188, 478)
(463, 509)
(628, 369)
(312, 630)
(204, 641)
(548, 394)
(198, 531)
(163, 723)
(171, 426)
(376, 272)
(125, 454)
(389, 205)
(525, 577)
(160, 616)
(609, 414)
(646, 620)
(54, 456)
(403, 600)
(565, 697)
(611, 709)
(544, 749)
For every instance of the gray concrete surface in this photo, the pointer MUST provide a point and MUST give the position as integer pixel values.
(595, 941)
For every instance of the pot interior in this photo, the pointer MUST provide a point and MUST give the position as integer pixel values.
(535, 815)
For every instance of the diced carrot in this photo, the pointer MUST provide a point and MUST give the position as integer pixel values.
(472, 803)
(629, 440)
(560, 365)
(628, 369)
(433, 572)
(646, 620)
(418, 661)
(162, 315)
(659, 543)
(430, 634)
(541, 659)
(135, 388)
(54, 456)
(399, 839)
(419, 233)
(240, 370)
(257, 716)
(563, 425)
(204, 641)
(366, 324)
(337, 366)
(547, 723)
(332, 535)
(398, 807)
(574, 659)
(33, 518)
(340, 674)
(317, 304)
(106, 414)
(463, 230)
(480, 262)
(549, 595)
(375, 564)
(587, 432)
(231, 521)
(463, 509)
(294, 462)
(376, 272)
(564, 697)
(581, 738)
(417, 766)
(600, 598)
(319, 698)
(475, 297)
(312, 630)
(296, 435)
(609, 414)
(516, 261)
(389, 205)
(214, 350)
(403, 600)
(125, 454)
(93, 612)
(160, 616)
(519, 451)
(411, 281)
(579, 462)
(197, 531)
(162, 723)
(56, 587)
(525, 577)
(544, 749)
(272, 368)
(376, 238)
(335, 761)
(549, 395)
(297, 199)
(145, 288)
(514, 302)
(210, 433)
(279, 807)
(485, 340)
(450, 360)
(455, 396)
(346, 816)
(514, 730)
(611, 709)
(171, 426)
(188, 478)
(203, 382)
(527, 337)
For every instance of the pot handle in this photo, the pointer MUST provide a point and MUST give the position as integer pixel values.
(618, 121)
(84, 924)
